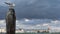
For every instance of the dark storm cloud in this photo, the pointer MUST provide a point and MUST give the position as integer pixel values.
(41, 9)
(3, 11)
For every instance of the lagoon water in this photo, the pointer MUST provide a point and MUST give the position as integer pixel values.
(33, 33)
(38, 33)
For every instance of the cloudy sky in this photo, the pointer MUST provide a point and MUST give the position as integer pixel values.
(35, 9)
(36, 12)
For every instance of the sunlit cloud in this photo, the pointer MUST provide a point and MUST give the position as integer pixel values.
(26, 20)
(20, 24)
(45, 24)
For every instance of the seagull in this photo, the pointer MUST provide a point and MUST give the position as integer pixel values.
(11, 5)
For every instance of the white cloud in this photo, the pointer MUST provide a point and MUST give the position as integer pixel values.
(45, 24)
(38, 25)
(20, 24)
(26, 20)
(55, 22)
(2, 21)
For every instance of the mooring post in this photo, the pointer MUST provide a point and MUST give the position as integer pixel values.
(10, 20)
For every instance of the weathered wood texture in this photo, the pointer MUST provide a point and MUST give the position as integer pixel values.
(10, 22)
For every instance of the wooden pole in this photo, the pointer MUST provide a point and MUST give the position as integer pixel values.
(10, 21)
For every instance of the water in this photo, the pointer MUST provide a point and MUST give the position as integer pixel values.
(35, 33)
(38, 33)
